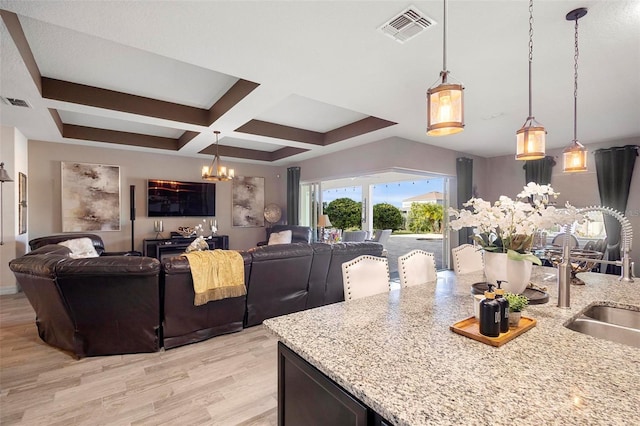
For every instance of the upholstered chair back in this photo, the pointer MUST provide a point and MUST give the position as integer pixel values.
(365, 276)
(467, 258)
(416, 267)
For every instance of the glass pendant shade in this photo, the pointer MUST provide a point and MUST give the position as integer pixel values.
(445, 106)
(574, 158)
(530, 141)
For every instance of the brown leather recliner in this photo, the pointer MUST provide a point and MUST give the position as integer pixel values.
(98, 244)
(279, 281)
(299, 234)
(185, 323)
(94, 306)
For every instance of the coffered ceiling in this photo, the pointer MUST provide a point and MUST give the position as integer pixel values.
(286, 81)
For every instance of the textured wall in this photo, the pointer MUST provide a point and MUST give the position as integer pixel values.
(135, 168)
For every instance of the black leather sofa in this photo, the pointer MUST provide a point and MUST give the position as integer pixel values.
(98, 244)
(97, 306)
(280, 279)
(185, 323)
(128, 304)
(299, 233)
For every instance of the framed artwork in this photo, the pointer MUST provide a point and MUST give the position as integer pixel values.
(22, 203)
(248, 201)
(90, 197)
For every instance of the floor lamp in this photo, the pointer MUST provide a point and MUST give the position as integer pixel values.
(4, 177)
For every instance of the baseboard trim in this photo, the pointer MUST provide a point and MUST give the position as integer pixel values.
(8, 290)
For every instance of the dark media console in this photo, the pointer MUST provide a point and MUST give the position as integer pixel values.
(167, 247)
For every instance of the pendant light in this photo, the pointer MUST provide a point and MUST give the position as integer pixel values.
(575, 156)
(530, 139)
(445, 102)
(221, 174)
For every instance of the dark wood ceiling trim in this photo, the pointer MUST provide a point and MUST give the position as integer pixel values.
(186, 138)
(103, 98)
(273, 130)
(231, 98)
(253, 154)
(235, 152)
(12, 23)
(278, 131)
(286, 152)
(122, 138)
(361, 127)
(57, 119)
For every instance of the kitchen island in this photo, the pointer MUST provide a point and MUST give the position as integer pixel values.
(395, 354)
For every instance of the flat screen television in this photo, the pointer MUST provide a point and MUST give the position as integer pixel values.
(175, 198)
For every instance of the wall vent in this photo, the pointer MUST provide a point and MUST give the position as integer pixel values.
(406, 25)
(15, 102)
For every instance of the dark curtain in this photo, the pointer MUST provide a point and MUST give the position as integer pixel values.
(539, 171)
(464, 175)
(293, 195)
(614, 168)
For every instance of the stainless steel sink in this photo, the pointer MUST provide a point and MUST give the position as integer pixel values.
(613, 323)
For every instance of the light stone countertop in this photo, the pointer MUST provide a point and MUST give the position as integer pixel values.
(396, 353)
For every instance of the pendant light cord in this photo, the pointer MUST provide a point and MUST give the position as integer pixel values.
(444, 45)
(530, 53)
(217, 151)
(575, 86)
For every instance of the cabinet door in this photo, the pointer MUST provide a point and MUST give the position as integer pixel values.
(308, 397)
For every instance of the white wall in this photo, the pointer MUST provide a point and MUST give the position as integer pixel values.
(506, 177)
(135, 168)
(399, 154)
(387, 154)
(13, 152)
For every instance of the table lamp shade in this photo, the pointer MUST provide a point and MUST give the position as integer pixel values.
(323, 221)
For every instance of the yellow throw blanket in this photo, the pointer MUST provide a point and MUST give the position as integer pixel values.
(217, 274)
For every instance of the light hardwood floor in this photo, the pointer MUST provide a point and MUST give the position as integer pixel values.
(227, 380)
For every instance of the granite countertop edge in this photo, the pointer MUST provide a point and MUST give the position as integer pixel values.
(561, 361)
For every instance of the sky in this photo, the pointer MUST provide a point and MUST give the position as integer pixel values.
(392, 193)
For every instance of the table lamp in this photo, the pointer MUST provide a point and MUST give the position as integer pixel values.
(4, 177)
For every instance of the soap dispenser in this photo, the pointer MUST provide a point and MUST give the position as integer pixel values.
(490, 314)
(504, 308)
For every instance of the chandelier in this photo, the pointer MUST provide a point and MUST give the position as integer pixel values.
(530, 139)
(215, 172)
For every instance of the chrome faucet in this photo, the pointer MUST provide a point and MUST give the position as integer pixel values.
(564, 267)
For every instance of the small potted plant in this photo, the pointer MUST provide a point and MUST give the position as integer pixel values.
(517, 302)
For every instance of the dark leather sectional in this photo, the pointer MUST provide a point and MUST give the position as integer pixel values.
(129, 304)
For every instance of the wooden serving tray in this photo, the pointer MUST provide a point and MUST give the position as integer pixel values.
(471, 328)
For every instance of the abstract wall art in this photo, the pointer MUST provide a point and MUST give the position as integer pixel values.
(90, 197)
(248, 201)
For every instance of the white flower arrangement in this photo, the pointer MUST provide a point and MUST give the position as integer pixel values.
(509, 226)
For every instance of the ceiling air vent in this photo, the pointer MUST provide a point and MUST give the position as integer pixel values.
(15, 102)
(406, 25)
